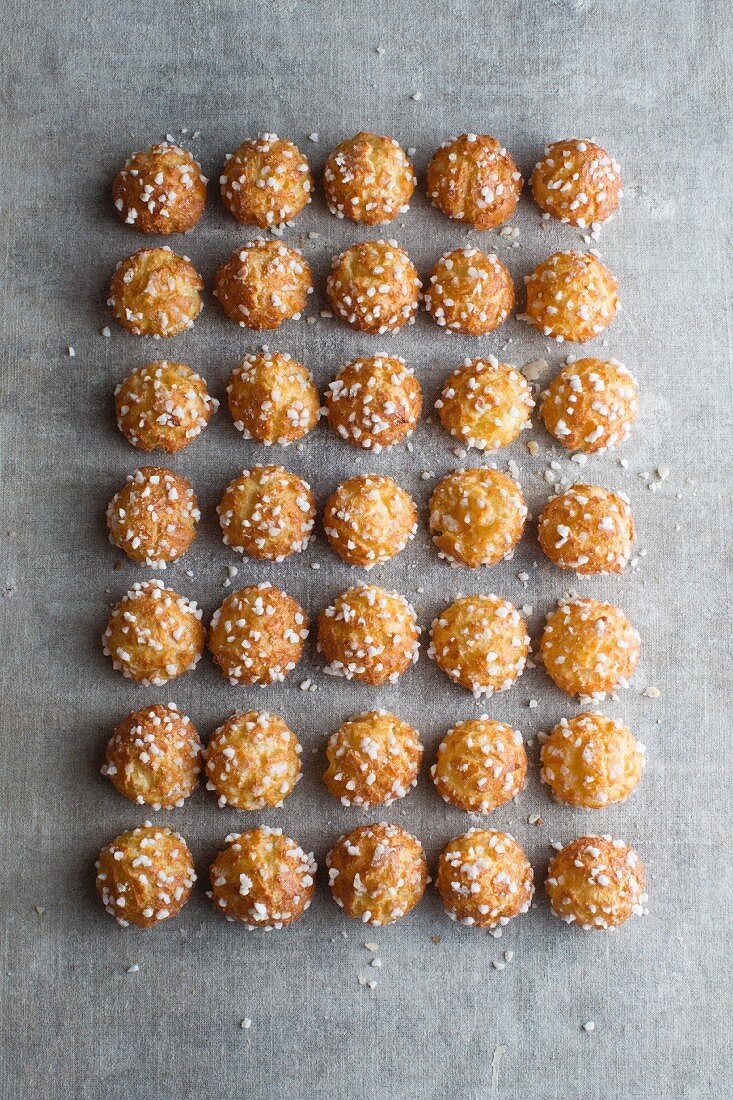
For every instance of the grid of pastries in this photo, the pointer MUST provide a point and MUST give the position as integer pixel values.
(378, 872)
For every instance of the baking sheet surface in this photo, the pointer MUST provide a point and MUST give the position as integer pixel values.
(83, 86)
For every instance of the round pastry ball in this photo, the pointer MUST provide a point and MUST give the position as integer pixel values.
(163, 406)
(369, 520)
(153, 517)
(153, 634)
(368, 634)
(155, 293)
(252, 761)
(481, 643)
(374, 403)
(377, 873)
(154, 757)
(372, 759)
(273, 399)
(571, 296)
(591, 761)
(588, 529)
(590, 405)
(481, 764)
(257, 635)
(267, 513)
(477, 517)
(145, 876)
(577, 182)
(374, 287)
(266, 182)
(470, 292)
(589, 648)
(484, 878)
(161, 190)
(368, 179)
(263, 284)
(474, 180)
(262, 878)
(485, 404)
(596, 882)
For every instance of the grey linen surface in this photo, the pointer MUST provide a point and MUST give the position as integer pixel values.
(84, 85)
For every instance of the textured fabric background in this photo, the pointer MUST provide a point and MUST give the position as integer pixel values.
(85, 84)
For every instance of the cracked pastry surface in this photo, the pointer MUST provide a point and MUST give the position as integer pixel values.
(252, 761)
(577, 182)
(591, 761)
(163, 406)
(369, 519)
(469, 291)
(375, 402)
(369, 635)
(257, 635)
(588, 529)
(473, 179)
(571, 296)
(590, 405)
(262, 284)
(153, 517)
(477, 517)
(272, 399)
(481, 643)
(485, 404)
(481, 764)
(374, 287)
(589, 648)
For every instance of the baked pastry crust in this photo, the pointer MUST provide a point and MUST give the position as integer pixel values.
(571, 296)
(368, 179)
(160, 190)
(154, 292)
(262, 284)
(377, 873)
(374, 287)
(474, 180)
(484, 878)
(589, 648)
(154, 635)
(596, 882)
(154, 757)
(266, 182)
(257, 635)
(263, 879)
(469, 292)
(369, 635)
(375, 402)
(163, 406)
(145, 876)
